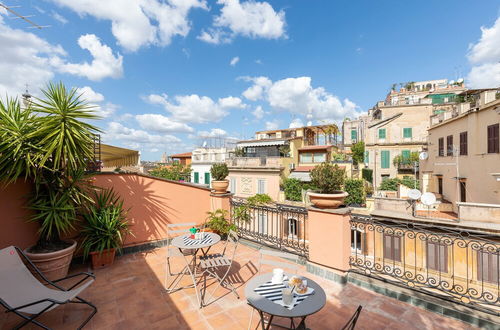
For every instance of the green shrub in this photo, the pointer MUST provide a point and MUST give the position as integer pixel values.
(176, 172)
(327, 178)
(293, 189)
(218, 221)
(259, 199)
(389, 184)
(367, 174)
(356, 192)
(358, 152)
(219, 171)
(410, 183)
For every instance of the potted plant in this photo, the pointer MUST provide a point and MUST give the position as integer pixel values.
(217, 221)
(104, 228)
(328, 181)
(49, 142)
(219, 173)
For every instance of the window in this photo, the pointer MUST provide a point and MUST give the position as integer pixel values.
(493, 139)
(306, 157)
(385, 177)
(261, 186)
(405, 154)
(449, 145)
(384, 159)
(441, 147)
(292, 227)
(354, 135)
(407, 132)
(196, 177)
(440, 186)
(463, 143)
(356, 240)
(381, 133)
(232, 182)
(487, 267)
(392, 247)
(207, 178)
(437, 257)
(367, 157)
(319, 157)
(463, 191)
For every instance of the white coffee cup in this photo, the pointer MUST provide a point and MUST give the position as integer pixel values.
(277, 275)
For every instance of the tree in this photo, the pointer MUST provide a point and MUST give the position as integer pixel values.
(175, 172)
(358, 152)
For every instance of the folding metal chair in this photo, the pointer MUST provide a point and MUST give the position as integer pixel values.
(351, 324)
(173, 252)
(265, 260)
(213, 262)
(23, 294)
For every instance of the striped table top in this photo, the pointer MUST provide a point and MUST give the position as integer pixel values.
(273, 292)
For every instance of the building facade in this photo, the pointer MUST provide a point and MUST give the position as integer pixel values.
(463, 163)
(202, 160)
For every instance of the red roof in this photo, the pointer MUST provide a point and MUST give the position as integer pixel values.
(314, 148)
(183, 155)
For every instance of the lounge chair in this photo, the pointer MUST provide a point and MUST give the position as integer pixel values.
(24, 295)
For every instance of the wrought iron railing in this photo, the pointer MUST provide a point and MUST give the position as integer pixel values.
(458, 265)
(277, 225)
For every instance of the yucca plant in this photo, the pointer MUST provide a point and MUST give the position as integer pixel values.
(105, 223)
(49, 142)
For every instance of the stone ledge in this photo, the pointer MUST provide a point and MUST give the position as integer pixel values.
(342, 210)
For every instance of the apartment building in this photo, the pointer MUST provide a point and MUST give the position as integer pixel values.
(259, 165)
(397, 126)
(463, 163)
(202, 160)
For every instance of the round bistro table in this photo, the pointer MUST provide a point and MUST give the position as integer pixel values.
(309, 306)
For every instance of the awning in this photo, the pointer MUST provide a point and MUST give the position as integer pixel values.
(264, 143)
(302, 176)
(312, 148)
(112, 156)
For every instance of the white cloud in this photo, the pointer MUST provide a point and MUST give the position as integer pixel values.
(249, 19)
(136, 24)
(96, 100)
(104, 63)
(296, 123)
(58, 17)
(214, 132)
(196, 109)
(162, 124)
(234, 61)
(485, 58)
(257, 90)
(26, 59)
(297, 96)
(272, 125)
(258, 112)
(138, 139)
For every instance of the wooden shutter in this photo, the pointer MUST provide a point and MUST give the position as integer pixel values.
(437, 257)
(441, 147)
(384, 159)
(207, 178)
(488, 267)
(407, 132)
(449, 145)
(381, 133)
(392, 247)
(261, 189)
(463, 143)
(367, 157)
(354, 134)
(493, 139)
(196, 177)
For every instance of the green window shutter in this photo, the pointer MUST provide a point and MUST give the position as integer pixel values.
(384, 159)
(354, 134)
(367, 157)
(196, 177)
(207, 178)
(407, 132)
(381, 133)
(405, 154)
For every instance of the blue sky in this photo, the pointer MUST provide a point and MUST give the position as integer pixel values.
(164, 73)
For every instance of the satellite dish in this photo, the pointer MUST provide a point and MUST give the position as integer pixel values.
(423, 155)
(414, 194)
(452, 82)
(204, 144)
(428, 198)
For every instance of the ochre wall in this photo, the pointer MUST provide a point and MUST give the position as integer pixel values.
(13, 215)
(153, 204)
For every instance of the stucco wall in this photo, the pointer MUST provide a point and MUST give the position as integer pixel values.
(247, 182)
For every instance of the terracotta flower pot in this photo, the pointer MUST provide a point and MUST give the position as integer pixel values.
(328, 201)
(54, 265)
(220, 187)
(104, 259)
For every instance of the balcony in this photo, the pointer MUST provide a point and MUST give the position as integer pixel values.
(256, 162)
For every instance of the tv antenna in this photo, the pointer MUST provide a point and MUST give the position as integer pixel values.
(23, 17)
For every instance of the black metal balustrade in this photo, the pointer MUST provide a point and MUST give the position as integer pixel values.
(278, 225)
(458, 265)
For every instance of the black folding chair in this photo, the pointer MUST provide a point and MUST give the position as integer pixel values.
(354, 318)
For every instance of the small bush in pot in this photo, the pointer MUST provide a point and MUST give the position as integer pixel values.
(219, 223)
(219, 173)
(105, 226)
(328, 180)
